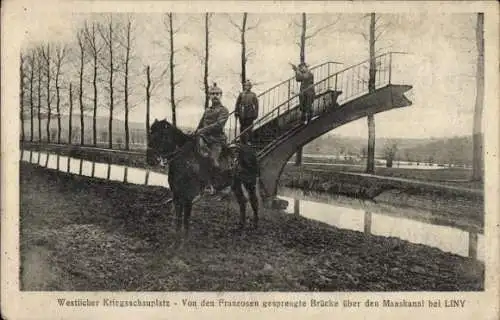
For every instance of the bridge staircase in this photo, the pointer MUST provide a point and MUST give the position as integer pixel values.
(342, 96)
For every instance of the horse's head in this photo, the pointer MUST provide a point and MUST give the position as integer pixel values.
(164, 139)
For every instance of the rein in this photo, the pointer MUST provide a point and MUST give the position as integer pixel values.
(171, 156)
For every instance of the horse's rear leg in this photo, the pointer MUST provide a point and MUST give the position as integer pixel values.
(179, 208)
(254, 201)
(242, 201)
(188, 205)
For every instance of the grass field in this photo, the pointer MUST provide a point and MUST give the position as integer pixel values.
(459, 177)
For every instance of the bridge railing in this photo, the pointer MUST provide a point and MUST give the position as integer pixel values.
(280, 93)
(352, 82)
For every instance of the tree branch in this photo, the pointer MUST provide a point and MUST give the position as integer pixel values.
(322, 28)
(234, 24)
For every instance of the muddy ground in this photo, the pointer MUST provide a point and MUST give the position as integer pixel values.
(85, 234)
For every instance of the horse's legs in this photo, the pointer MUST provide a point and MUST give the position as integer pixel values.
(188, 205)
(254, 201)
(242, 201)
(178, 215)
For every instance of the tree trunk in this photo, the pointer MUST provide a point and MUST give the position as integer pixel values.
(303, 39)
(80, 97)
(111, 100)
(39, 93)
(32, 107)
(94, 84)
(243, 50)
(94, 115)
(205, 75)
(477, 137)
(302, 58)
(49, 110)
(126, 89)
(172, 67)
(21, 95)
(58, 105)
(148, 101)
(70, 125)
(370, 163)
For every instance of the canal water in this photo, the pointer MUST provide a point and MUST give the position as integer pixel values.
(413, 225)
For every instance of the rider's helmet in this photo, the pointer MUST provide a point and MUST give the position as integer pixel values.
(214, 90)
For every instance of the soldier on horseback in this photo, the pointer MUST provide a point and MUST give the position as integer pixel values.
(211, 127)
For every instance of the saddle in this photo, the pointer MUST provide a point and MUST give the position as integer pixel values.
(228, 155)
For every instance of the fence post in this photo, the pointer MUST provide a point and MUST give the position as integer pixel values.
(146, 178)
(288, 99)
(328, 75)
(473, 245)
(235, 127)
(390, 67)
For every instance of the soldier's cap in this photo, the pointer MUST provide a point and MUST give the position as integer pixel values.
(247, 83)
(303, 64)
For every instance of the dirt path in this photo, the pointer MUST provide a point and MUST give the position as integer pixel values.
(85, 234)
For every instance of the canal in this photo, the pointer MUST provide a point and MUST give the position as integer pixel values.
(406, 223)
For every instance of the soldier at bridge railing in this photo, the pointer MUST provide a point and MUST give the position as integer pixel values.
(307, 94)
(246, 110)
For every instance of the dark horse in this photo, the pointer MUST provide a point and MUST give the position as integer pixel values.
(189, 172)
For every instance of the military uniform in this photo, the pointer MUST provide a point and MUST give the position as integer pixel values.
(307, 94)
(213, 121)
(246, 110)
(211, 127)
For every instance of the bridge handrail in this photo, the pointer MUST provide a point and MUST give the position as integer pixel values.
(266, 117)
(290, 82)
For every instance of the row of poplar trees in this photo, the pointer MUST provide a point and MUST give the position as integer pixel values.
(101, 59)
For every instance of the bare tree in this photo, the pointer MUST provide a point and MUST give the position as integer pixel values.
(60, 57)
(148, 101)
(127, 45)
(39, 91)
(47, 57)
(32, 66)
(94, 48)
(205, 56)
(370, 163)
(306, 35)
(376, 29)
(153, 82)
(22, 77)
(169, 23)
(109, 42)
(243, 28)
(477, 139)
(81, 47)
(70, 118)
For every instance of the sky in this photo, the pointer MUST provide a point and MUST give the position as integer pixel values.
(440, 62)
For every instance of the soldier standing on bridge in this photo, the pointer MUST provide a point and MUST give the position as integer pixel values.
(307, 94)
(246, 110)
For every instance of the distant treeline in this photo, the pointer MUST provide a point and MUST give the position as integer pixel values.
(453, 150)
